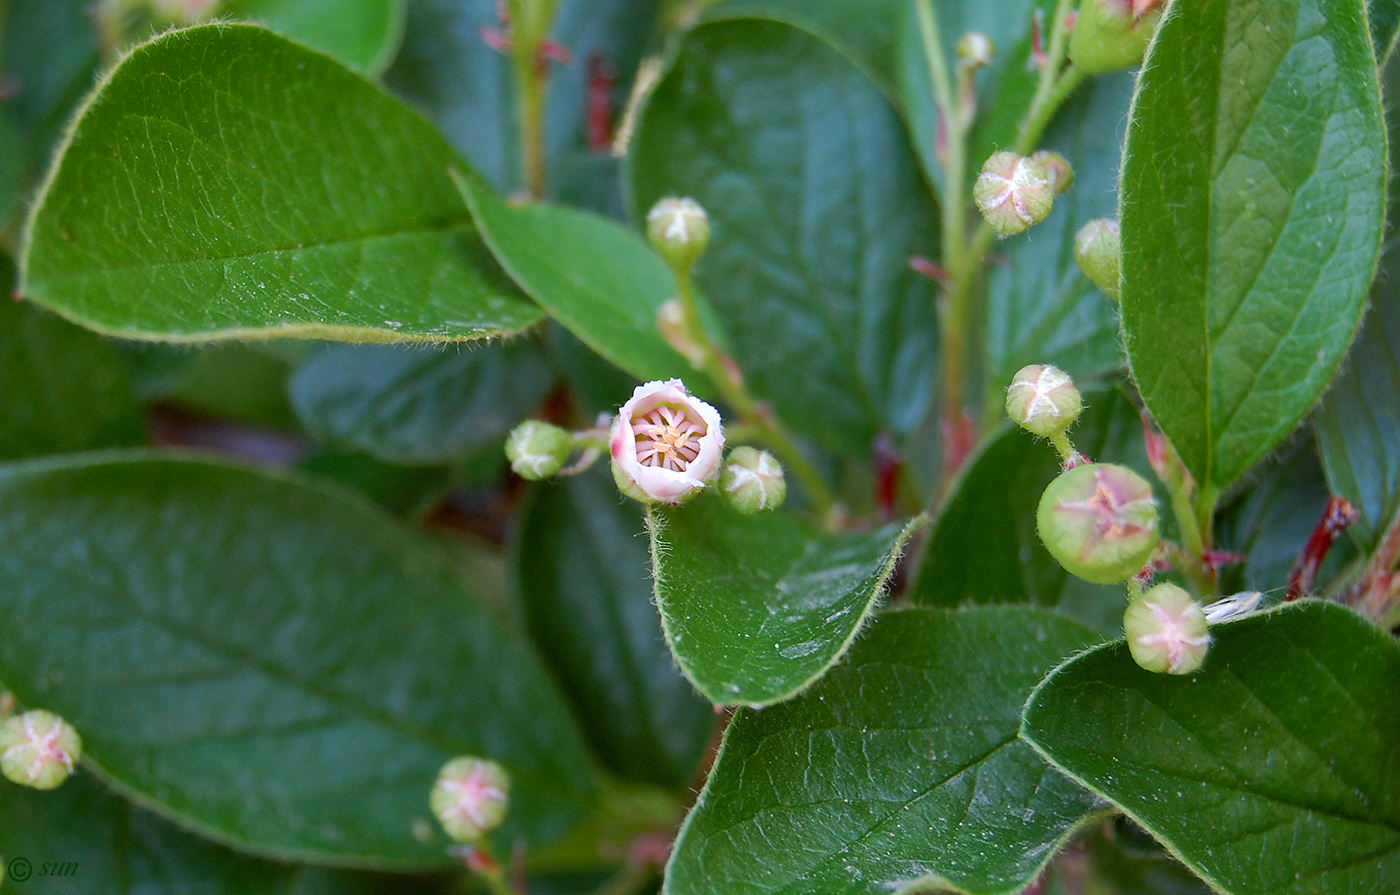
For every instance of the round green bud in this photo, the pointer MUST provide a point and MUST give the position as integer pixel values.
(1099, 252)
(976, 49)
(39, 749)
(1099, 521)
(753, 481)
(1043, 400)
(537, 450)
(1166, 630)
(1111, 35)
(1058, 167)
(1013, 193)
(680, 230)
(470, 798)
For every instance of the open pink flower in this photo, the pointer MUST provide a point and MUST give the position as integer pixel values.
(666, 444)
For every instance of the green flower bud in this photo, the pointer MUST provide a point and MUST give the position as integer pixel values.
(753, 481)
(471, 797)
(1060, 171)
(538, 450)
(1099, 252)
(1166, 631)
(680, 230)
(1043, 400)
(1099, 521)
(39, 749)
(1013, 193)
(976, 49)
(1111, 35)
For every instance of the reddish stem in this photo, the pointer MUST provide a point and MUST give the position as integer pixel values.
(1335, 518)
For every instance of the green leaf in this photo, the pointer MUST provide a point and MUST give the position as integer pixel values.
(119, 849)
(407, 491)
(1271, 521)
(1385, 23)
(1272, 770)
(1358, 421)
(266, 192)
(363, 34)
(902, 766)
(755, 608)
(866, 33)
(984, 547)
(248, 654)
(1041, 309)
(446, 69)
(419, 405)
(236, 381)
(64, 389)
(816, 204)
(580, 568)
(599, 279)
(1253, 188)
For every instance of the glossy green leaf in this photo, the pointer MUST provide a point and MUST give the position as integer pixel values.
(419, 405)
(249, 654)
(599, 279)
(755, 608)
(1253, 192)
(816, 204)
(1041, 309)
(865, 32)
(984, 547)
(267, 192)
(1275, 769)
(364, 34)
(467, 87)
(580, 566)
(1358, 421)
(118, 849)
(899, 771)
(61, 389)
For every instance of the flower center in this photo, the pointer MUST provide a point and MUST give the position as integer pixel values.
(667, 437)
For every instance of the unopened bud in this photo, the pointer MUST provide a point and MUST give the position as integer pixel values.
(1043, 400)
(753, 481)
(1166, 631)
(39, 749)
(1099, 251)
(976, 49)
(680, 230)
(1099, 521)
(537, 450)
(470, 797)
(1111, 35)
(1013, 193)
(1058, 167)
